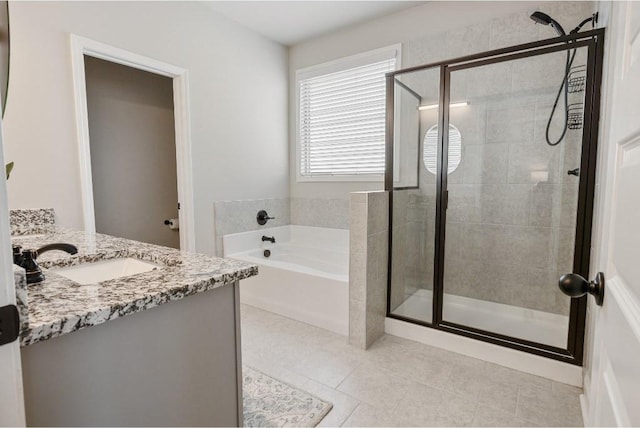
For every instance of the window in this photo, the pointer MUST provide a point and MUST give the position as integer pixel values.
(341, 118)
(430, 149)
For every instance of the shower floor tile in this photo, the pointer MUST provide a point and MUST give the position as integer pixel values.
(399, 382)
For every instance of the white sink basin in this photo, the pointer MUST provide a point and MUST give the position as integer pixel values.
(90, 273)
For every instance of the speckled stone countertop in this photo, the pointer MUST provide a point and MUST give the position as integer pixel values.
(59, 306)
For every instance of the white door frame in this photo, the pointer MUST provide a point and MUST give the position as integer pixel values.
(81, 46)
(606, 397)
(11, 390)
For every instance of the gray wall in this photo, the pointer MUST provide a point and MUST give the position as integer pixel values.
(133, 152)
(509, 237)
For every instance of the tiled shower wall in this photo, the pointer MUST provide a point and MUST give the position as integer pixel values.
(509, 232)
(510, 236)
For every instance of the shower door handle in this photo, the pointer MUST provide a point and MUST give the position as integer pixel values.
(574, 285)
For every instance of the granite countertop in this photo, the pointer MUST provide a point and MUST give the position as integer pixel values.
(58, 306)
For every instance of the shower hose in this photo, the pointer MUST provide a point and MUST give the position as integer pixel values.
(564, 87)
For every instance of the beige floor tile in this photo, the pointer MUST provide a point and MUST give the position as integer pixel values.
(343, 404)
(426, 406)
(369, 416)
(487, 416)
(281, 342)
(398, 382)
(475, 384)
(507, 375)
(562, 388)
(410, 361)
(279, 355)
(377, 387)
(548, 408)
(339, 345)
(326, 367)
(281, 329)
(282, 374)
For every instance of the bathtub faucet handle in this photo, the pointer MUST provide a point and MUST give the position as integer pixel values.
(271, 239)
(263, 217)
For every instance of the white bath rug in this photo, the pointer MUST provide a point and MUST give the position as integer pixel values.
(271, 403)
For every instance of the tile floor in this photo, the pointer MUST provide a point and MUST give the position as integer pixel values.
(398, 382)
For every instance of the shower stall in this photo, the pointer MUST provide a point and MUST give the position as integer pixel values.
(485, 217)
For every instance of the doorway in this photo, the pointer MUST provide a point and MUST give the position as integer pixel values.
(82, 48)
(133, 156)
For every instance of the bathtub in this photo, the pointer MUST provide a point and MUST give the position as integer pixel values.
(306, 276)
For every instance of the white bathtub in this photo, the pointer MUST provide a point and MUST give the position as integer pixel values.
(306, 277)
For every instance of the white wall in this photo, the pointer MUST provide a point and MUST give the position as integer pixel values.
(238, 90)
(413, 23)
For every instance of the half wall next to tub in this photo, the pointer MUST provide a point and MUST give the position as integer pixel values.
(368, 250)
(304, 274)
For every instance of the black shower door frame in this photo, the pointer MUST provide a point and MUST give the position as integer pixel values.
(594, 41)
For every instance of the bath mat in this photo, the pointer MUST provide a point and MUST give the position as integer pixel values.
(271, 403)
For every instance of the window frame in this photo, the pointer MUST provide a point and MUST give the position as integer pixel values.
(341, 64)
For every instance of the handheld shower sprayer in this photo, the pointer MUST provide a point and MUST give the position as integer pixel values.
(542, 18)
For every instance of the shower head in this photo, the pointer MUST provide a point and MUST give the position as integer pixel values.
(542, 18)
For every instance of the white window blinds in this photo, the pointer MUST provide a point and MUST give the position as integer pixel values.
(342, 121)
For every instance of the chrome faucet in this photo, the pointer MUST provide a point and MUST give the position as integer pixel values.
(26, 259)
(271, 239)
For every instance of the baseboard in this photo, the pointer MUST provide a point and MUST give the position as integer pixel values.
(511, 358)
(584, 407)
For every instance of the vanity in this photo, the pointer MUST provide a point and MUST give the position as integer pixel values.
(125, 333)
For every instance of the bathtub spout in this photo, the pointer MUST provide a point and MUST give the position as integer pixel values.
(271, 239)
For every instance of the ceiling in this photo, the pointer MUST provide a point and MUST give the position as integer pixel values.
(292, 22)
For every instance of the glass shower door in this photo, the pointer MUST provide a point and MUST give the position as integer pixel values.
(413, 199)
(513, 195)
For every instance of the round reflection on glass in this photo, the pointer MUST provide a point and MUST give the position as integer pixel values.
(430, 149)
